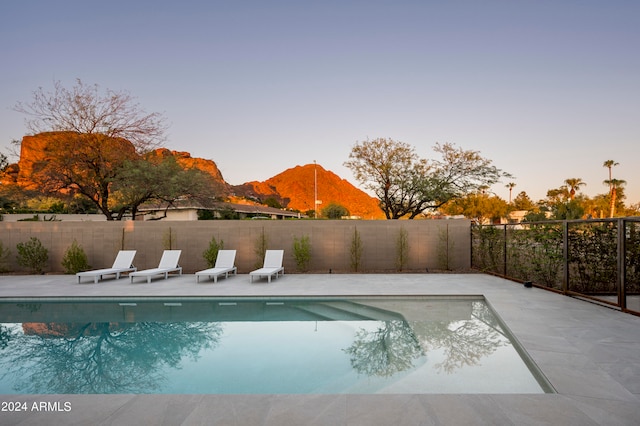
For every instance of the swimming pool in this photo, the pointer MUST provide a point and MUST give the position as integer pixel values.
(362, 345)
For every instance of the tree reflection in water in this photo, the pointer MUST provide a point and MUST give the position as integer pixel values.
(137, 357)
(6, 335)
(464, 342)
(69, 358)
(395, 345)
(383, 352)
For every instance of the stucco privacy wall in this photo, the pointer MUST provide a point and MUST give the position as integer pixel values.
(428, 242)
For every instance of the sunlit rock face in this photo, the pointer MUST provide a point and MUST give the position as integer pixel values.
(296, 188)
(45, 149)
(188, 162)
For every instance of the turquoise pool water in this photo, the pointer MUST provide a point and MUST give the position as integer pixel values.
(262, 346)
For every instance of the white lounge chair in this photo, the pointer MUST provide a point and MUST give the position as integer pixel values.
(123, 263)
(272, 265)
(225, 264)
(168, 264)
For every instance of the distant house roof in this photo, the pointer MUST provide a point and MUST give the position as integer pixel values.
(243, 209)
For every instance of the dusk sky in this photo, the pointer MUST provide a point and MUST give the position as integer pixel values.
(547, 89)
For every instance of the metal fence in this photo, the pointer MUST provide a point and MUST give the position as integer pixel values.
(598, 259)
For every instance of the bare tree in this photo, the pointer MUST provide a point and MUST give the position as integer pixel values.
(388, 168)
(85, 110)
(4, 162)
(87, 165)
(89, 136)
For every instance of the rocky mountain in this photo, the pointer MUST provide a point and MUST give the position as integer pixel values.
(188, 162)
(34, 149)
(38, 149)
(292, 189)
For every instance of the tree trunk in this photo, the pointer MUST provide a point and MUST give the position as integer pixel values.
(612, 208)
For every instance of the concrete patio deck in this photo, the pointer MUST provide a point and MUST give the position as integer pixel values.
(589, 353)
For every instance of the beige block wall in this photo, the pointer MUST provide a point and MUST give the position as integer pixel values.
(330, 242)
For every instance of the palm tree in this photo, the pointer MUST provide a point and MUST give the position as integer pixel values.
(510, 185)
(614, 184)
(609, 164)
(574, 184)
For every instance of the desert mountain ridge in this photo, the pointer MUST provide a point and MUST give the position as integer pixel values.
(293, 189)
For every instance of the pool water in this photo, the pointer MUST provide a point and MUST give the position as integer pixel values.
(262, 346)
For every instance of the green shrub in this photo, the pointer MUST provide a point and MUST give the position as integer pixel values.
(211, 253)
(445, 248)
(356, 250)
(260, 248)
(205, 215)
(33, 255)
(34, 218)
(402, 249)
(335, 211)
(302, 252)
(4, 256)
(168, 239)
(75, 259)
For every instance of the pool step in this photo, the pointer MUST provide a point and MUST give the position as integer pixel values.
(348, 311)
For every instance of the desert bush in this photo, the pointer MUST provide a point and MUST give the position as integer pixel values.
(260, 248)
(335, 211)
(168, 239)
(593, 257)
(302, 252)
(356, 250)
(4, 257)
(34, 218)
(211, 253)
(33, 255)
(488, 248)
(445, 246)
(536, 254)
(402, 249)
(75, 259)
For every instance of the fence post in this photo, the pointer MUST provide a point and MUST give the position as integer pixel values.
(565, 255)
(471, 244)
(504, 252)
(621, 279)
